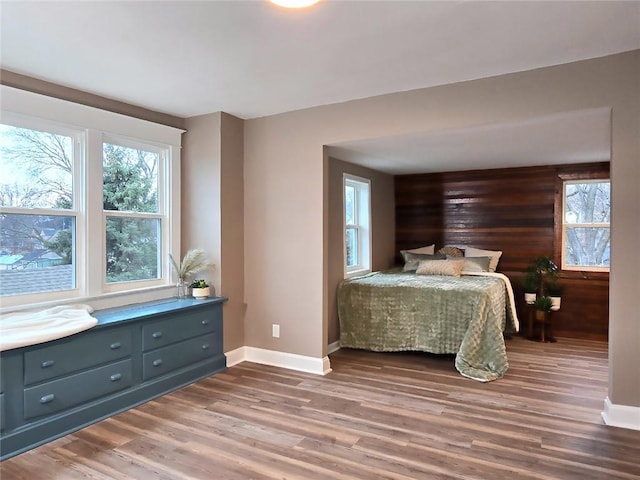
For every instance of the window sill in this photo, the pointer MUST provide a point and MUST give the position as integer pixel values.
(357, 273)
(108, 300)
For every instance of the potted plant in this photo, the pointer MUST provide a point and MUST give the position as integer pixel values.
(200, 289)
(544, 266)
(554, 291)
(193, 262)
(543, 272)
(542, 305)
(530, 285)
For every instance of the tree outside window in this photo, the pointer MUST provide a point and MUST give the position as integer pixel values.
(130, 187)
(37, 211)
(586, 225)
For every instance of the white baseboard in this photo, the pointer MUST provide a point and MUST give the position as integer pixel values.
(236, 356)
(301, 363)
(333, 347)
(623, 416)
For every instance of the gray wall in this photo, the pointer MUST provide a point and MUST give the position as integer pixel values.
(286, 277)
(382, 229)
(284, 184)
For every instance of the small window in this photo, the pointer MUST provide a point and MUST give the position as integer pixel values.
(357, 219)
(585, 225)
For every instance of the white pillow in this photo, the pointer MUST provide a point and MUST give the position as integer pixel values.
(474, 264)
(452, 268)
(429, 250)
(476, 252)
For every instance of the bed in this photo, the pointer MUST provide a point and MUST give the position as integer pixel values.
(465, 315)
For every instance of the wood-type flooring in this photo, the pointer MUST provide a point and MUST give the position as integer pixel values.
(376, 416)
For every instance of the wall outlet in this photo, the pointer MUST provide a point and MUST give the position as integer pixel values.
(275, 330)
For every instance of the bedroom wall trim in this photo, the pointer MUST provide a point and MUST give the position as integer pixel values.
(290, 361)
(333, 347)
(623, 416)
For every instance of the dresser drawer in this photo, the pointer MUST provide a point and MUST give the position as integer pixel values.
(179, 355)
(2, 413)
(75, 389)
(188, 324)
(76, 354)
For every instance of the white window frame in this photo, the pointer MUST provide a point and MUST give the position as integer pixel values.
(362, 224)
(162, 214)
(565, 226)
(76, 211)
(90, 127)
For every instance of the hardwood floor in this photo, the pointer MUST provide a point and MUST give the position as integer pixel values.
(387, 416)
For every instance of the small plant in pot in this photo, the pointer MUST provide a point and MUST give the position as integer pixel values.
(200, 289)
(193, 262)
(554, 291)
(530, 285)
(543, 304)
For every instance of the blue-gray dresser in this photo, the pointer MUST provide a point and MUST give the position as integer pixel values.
(133, 354)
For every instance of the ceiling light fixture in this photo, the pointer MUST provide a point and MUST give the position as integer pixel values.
(294, 3)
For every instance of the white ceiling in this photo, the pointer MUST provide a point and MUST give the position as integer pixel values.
(252, 59)
(573, 137)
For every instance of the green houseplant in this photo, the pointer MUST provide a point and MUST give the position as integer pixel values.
(543, 304)
(200, 289)
(554, 291)
(543, 272)
(194, 261)
(530, 285)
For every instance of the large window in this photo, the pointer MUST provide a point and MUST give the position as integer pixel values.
(133, 217)
(357, 214)
(585, 225)
(84, 212)
(39, 209)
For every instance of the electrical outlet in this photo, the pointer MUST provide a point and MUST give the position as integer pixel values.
(275, 330)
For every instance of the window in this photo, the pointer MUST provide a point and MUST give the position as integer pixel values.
(357, 214)
(84, 212)
(39, 209)
(133, 218)
(585, 225)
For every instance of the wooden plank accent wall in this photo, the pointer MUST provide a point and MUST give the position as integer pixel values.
(508, 209)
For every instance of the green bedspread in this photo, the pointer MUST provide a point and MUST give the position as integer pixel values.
(396, 311)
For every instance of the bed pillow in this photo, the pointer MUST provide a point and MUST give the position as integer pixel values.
(429, 250)
(474, 264)
(411, 260)
(494, 254)
(451, 251)
(451, 268)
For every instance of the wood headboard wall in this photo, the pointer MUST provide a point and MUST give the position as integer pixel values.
(508, 209)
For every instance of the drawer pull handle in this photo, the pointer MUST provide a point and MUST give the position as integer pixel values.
(205, 346)
(115, 345)
(204, 322)
(47, 398)
(115, 377)
(156, 334)
(157, 363)
(47, 363)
